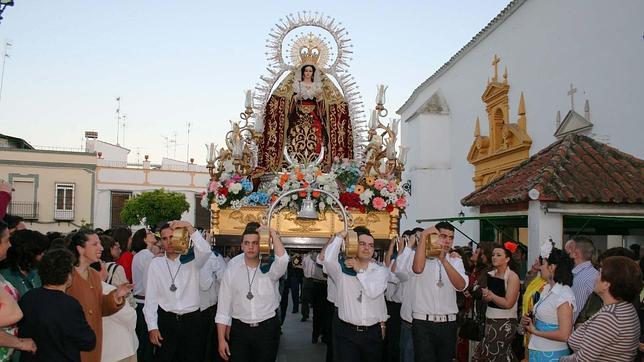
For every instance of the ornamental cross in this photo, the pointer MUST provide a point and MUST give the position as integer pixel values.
(495, 63)
(571, 93)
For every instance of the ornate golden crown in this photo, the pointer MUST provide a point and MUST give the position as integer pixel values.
(309, 49)
(309, 55)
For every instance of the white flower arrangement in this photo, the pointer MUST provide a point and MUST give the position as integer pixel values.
(546, 249)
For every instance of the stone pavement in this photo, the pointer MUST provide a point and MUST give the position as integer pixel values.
(295, 344)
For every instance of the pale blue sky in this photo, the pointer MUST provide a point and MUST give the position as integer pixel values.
(177, 61)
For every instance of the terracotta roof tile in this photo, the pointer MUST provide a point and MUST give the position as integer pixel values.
(573, 169)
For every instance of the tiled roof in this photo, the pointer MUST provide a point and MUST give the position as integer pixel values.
(482, 34)
(575, 169)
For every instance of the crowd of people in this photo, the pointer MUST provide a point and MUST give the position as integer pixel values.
(114, 295)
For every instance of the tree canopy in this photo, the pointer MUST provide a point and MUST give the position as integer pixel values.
(153, 207)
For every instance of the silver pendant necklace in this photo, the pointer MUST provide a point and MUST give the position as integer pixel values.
(173, 287)
(440, 277)
(250, 295)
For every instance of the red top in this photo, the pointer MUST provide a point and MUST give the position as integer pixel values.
(5, 198)
(125, 260)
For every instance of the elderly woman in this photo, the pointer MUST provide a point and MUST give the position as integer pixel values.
(613, 333)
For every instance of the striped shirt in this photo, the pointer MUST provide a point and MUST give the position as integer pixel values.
(583, 284)
(611, 335)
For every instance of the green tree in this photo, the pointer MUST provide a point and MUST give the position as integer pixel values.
(152, 207)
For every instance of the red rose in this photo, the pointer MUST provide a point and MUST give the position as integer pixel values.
(389, 208)
(223, 191)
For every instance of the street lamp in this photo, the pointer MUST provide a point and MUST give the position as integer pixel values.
(3, 5)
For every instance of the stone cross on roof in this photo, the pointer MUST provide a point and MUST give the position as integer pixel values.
(495, 63)
(571, 93)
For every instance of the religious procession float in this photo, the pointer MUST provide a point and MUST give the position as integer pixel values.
(302, 158)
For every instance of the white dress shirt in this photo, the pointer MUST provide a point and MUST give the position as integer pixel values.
(331, 289)
(429, 297)
(406, 287)
(140, 264)
(210, 277)
(233, 302)
(360, 298)
(392, 286)
(186, 279)
(308, 266)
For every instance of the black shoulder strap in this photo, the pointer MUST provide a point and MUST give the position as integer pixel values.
(111, 268)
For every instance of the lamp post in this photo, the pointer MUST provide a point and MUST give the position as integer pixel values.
(3, 5)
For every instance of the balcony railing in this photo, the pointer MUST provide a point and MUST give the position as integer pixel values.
(64, 215)
(26, 210)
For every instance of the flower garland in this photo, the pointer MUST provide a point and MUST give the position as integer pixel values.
(344, 182)
(303, 177)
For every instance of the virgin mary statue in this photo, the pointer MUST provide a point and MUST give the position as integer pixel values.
(305, 113)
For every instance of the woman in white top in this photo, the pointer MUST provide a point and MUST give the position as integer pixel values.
(501, 313)
(119, 339)
(552, 313)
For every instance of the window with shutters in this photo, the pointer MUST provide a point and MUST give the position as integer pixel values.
(118, 202)
(64, 202)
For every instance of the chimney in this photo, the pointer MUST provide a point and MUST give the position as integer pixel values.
(90, 141)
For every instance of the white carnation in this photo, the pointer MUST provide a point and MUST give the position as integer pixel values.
(546, 249)
(235, 188)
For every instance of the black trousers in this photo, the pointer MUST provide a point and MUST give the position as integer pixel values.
(332, 322)
(284, 289)
(254, 344)
(392, 336)
(321, 309)
(358, 346)
(182, 339)
(307, 294)
(209, 333)
(434, 342)
(144, 353)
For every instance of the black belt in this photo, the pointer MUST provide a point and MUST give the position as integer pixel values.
(254, 325)
(178, 316)
(356, 328)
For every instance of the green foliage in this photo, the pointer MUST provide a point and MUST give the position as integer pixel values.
(152, 207)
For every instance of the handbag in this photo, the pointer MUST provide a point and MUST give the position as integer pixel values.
(473, 327)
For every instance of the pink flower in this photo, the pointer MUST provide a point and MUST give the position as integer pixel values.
(401, 203)
(379, 203)
(236, 178)
(213, 186)
(379, 184)
(391, 186)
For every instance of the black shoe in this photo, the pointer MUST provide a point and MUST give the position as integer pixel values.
(314, 340)
(295, 310)
(304, 319)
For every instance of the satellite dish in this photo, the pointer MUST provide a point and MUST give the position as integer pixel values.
(534, 194)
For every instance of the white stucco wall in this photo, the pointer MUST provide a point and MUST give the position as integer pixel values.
(546, 45)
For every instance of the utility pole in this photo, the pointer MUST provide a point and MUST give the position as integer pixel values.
(123, 124)
(188, 145)
(7, 45)
(118, 118)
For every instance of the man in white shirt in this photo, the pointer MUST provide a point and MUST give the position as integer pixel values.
(360, 299)
(248, 299)
(210, 277)
(406, 292)
(172, 298)
(434, 306)
(308, 268)
(142, 243)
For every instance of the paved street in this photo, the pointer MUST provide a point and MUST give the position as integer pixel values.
(295, 344)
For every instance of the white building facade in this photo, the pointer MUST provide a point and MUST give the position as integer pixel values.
(558, 54)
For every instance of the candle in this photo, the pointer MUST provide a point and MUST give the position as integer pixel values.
(211, 152)
(259, 124)
(373, 122)
(249, 99)
(394, 126)
(403, 154)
